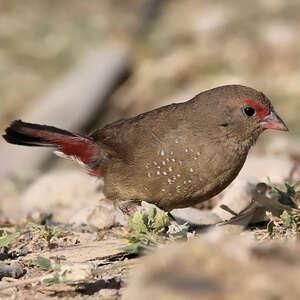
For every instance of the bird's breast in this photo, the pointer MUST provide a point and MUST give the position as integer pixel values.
(177, 173)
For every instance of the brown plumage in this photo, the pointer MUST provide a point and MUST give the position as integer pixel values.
(174, 156)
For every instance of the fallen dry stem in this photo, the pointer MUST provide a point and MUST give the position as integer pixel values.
(20, 283)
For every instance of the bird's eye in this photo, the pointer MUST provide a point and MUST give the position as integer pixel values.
(249, 111)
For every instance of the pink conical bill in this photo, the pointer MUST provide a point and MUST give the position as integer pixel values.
(273, 121)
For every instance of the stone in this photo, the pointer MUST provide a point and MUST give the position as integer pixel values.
(218, 267)
(62, 192)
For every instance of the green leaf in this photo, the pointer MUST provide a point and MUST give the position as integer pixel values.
(132, 248)
(290, 189)
(52, 279)
(46, 232)
(136, 248)
(151, 213)
(56, 267)
(287, 220)
(5, 240)
(137, 223)
(270, 227)
(284, 194)
(42, 262)
(161, 221)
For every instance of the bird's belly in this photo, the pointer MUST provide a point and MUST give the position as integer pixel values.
(172, 181)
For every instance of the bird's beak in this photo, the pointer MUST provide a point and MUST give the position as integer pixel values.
(273, 121)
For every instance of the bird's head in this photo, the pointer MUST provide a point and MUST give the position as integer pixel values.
(262, 113)
(243, 111)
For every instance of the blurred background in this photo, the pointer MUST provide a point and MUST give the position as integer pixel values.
(80, 64)
(176, 49)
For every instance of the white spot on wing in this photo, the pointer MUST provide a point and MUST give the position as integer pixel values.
(162, 152)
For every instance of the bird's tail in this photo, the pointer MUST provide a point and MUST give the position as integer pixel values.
(71, 145)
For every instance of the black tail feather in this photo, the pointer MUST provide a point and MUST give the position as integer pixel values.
(21, 139)
(16, 134)
(72, 145)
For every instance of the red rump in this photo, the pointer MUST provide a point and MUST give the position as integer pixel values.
(75, 145)
(79, 147)
(261, 110)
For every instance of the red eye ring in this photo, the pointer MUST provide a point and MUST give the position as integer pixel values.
(249, 111)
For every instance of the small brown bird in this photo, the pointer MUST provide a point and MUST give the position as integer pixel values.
(174, 156)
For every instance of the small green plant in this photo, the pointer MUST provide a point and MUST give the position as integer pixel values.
(46, 232)
(64, 273)
(285, 199)
(278, 226)
(148, 230)
(6, 238)
(288, 221)
(286, 193)
(43, 263)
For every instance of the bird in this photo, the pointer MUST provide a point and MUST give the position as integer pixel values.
(174, 156)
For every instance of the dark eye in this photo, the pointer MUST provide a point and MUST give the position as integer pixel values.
(249, 111)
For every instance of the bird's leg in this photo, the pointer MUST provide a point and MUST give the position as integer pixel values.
(129, 207)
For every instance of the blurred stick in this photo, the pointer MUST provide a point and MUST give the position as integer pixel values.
(71, 104)
(75, 102)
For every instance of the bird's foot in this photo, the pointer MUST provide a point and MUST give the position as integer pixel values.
(129, 207)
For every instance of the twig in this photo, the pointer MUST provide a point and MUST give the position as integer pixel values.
(20, 283)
